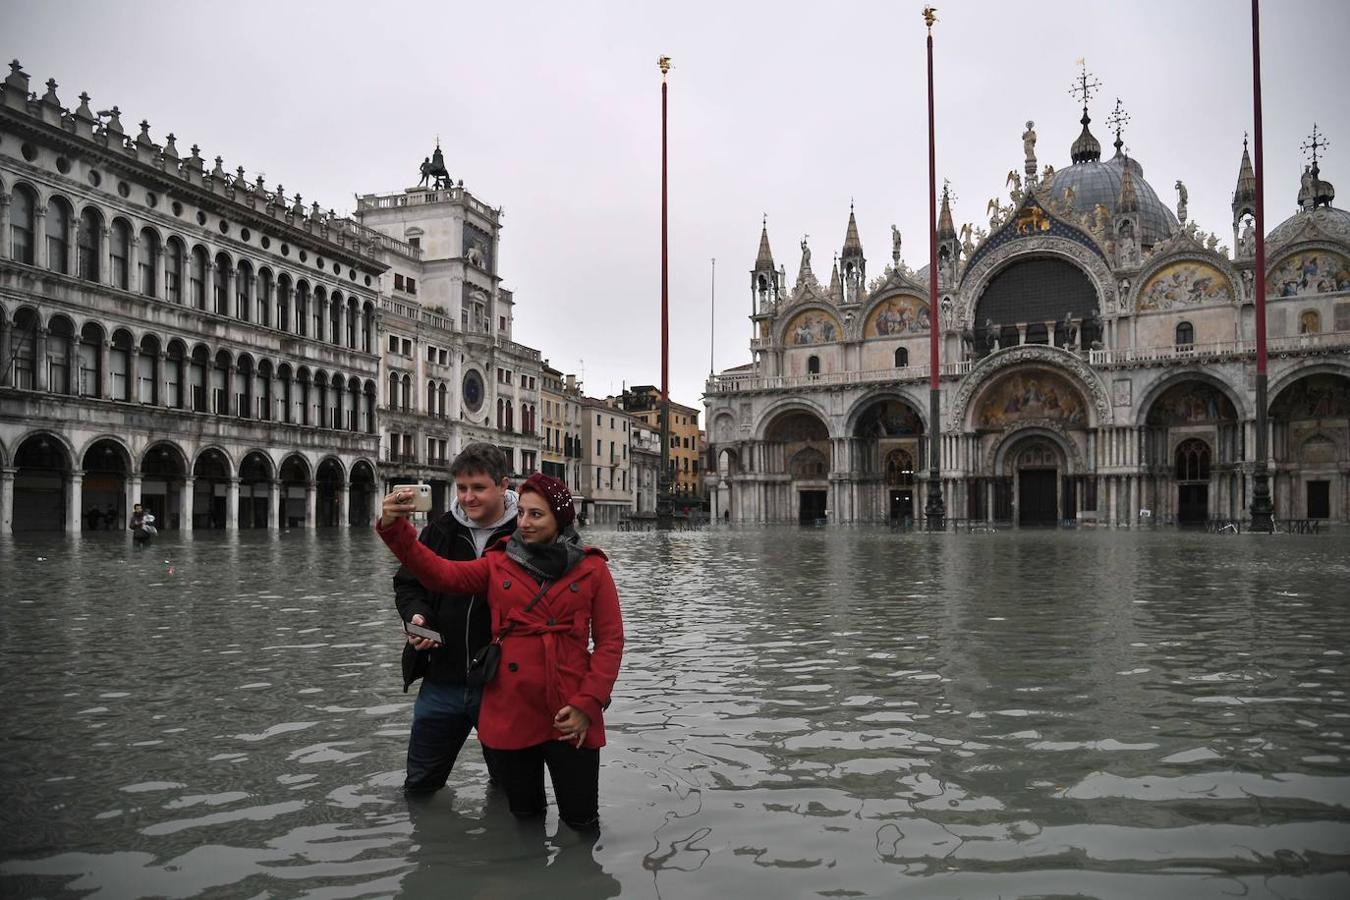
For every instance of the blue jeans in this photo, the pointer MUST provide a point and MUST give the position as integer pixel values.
(442, 718)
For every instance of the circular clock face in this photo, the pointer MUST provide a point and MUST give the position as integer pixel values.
(473, 391)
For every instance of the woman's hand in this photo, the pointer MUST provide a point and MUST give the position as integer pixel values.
(572, 723)
(397, 505)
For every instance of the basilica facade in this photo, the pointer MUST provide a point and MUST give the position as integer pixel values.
(1098, 363)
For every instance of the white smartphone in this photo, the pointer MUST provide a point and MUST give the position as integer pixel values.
(424, 633)
(421, 495)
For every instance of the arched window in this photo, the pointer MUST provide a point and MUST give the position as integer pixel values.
(121, 255)
(220, 288)
(501, 414)
(1193, 460)
(284, 302)
(1185, 334)
(431, 398)
(147, 262)
(368, 331)
(407, 393)
(302, 315)
(901, 357)
(243, 280)
(441, 407)
(58, 236)
(335, 319)
(88, 240)
(197, 278)
(173, 271)
(351, 323)
(813, 365)
(22, 224)
(393, 390)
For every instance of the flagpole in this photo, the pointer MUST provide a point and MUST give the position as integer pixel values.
(1262, 509)
(664, 508)
(934, 509)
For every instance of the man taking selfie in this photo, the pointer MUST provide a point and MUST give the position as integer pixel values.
(483, 511)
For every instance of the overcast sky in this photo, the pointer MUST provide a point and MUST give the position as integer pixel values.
(552, 110)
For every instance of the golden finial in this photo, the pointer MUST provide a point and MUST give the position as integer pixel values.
(663, 62)
(929, 17)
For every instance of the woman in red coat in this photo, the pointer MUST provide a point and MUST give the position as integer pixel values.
(550, 598)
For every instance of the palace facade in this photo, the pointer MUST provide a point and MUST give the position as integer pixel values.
(1098, 363)
(173, 334)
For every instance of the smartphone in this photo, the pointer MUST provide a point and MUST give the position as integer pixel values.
(421, 495)
(426, 633)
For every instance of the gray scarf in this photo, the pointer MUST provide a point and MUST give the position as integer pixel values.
(550, 561)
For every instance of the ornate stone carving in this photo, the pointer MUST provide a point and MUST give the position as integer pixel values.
(1031, 428)
(1052, 357)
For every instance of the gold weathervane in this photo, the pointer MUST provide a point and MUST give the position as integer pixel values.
(929, 17)
(663, 62)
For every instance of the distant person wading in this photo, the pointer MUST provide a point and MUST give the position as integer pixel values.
(550, 598)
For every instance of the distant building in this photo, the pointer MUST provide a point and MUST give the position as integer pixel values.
(643, 402)
(174, 334)
(561, 428)
(606, 470)
(645, 451)
(1097, 361)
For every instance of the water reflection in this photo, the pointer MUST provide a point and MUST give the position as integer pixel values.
(819, 712)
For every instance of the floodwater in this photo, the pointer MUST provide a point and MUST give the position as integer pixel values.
(813, 713)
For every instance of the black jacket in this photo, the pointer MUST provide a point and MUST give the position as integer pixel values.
(464, 621)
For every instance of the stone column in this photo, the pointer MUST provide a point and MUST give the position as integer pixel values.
(134, 265)
(189, 486)
(4, 226)
(343, 497)
(376, 499)
(40, 363)
(232, 504)
(311, 505)
(274, 510)
(109, 278)
(7, 499)
(40, 236)
(133, 490)
(75, 501)
(105, 370)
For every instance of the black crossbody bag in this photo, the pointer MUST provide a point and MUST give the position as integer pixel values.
(483, 667)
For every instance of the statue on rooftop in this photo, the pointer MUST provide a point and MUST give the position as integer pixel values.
(433, 170)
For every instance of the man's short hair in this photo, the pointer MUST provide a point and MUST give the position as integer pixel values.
(480, 456)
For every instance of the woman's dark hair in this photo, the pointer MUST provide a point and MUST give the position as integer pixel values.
(480, 456)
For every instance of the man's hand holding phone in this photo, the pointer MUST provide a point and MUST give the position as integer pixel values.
(421, 637)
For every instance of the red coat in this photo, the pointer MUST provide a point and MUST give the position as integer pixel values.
(545, 662)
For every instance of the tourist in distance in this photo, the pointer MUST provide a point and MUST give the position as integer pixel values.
(483, 512)
(142, 524)
(550, 596)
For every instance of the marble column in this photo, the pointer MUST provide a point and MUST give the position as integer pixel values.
(105, 370)
(7, 499)
(343, 498)
(134, 265)
(40, 364)
(40, 236)
(311, 505)
(133, 490)
(185, 514)
(4, 226)
(74, 500)
(274, 510)
(232, 504)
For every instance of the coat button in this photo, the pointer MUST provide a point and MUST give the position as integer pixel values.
(512, 667)
(506, 585)
(574, 587)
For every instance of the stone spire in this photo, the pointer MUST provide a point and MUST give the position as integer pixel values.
(946, 231)
(836, 288)
(1128, 199)
(852, 245)
(764, 261)
(1244, 194)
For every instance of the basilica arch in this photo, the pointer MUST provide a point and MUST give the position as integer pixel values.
(886, 452)
(1192, 443)
(796, 459)
(1310, 444)
(1097, 406)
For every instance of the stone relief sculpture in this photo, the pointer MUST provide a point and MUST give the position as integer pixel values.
(1182, 196)
(1029, 146)
(895, 245)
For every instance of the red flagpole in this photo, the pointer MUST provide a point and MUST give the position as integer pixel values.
(663, 499)
(934, 508)
(1262, 509)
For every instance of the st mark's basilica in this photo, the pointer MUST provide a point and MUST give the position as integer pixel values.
(1098, 361)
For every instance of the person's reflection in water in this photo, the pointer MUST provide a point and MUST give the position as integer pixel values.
(495, 855)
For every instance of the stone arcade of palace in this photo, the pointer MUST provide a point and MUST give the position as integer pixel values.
(1098, 363)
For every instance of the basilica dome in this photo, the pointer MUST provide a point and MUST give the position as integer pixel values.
(1329, 220)
(1094, 182)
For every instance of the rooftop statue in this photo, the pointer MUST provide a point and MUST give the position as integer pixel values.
(433, 167)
